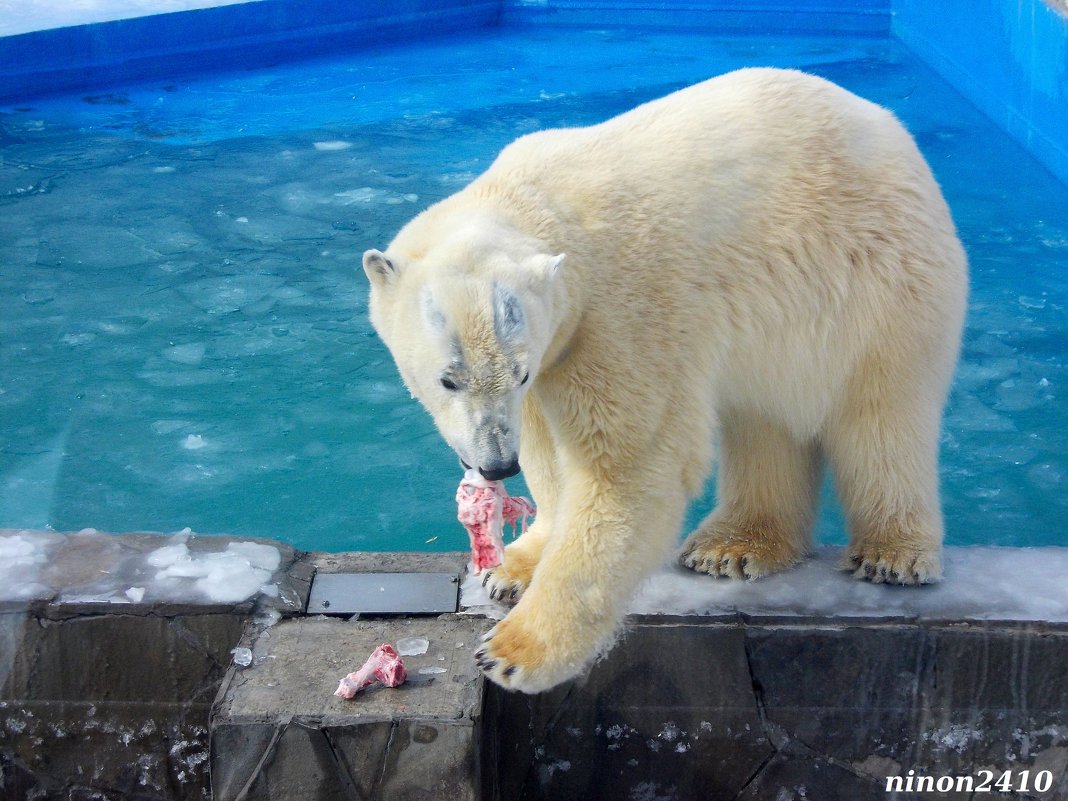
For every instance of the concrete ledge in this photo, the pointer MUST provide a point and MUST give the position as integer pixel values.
(804, 685)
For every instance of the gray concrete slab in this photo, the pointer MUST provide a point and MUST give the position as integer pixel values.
(278, 729)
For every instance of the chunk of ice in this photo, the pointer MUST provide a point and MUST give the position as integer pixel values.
(136, 594)
(242, 656)
(412, 646)
(228, 576)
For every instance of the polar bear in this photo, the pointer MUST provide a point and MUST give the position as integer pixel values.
(763, 259)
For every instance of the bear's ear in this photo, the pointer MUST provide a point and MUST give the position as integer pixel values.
(380, 270)
(547, 267)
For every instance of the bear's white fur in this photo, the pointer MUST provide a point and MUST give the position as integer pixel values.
(763, 255)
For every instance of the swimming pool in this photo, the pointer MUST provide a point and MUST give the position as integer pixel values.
(183, 325)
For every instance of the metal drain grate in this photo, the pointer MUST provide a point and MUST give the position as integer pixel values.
(384, 594)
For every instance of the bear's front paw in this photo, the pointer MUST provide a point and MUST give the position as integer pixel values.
(737, 557)
(519, 655)
(886, 564)
(502, 586)
(508, 581)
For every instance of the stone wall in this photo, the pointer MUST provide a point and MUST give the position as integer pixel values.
(118, 682)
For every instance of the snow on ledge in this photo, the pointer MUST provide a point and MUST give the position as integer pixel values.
(981, 583)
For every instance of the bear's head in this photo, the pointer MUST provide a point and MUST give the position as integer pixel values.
(467, 325)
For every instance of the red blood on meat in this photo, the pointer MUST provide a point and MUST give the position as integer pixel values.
(483, 507)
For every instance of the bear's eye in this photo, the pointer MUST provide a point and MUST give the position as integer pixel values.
(449, 385)
(526, 377)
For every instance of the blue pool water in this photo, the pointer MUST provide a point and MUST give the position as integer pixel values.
(183, 330)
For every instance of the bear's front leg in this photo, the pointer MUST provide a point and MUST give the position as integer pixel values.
(508, 581)
(610, 535)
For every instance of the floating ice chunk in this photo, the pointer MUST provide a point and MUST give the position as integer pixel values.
(412, 646)
(288, 293)
(191, 353)
(242, 656)
(169, 426)
(232, 293)
(1032, 303)
(365, 194)
(970, 414)
(335, 144)
(135, 594)
(38, 295)
(431, 670)
(79, 339)
(194, 442)
(1016, 395)
(1046, 476)
(163, 170)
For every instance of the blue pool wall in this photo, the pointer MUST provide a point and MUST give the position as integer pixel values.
(1009, 59)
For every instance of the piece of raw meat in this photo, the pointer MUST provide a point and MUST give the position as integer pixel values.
(383, 665)
(484, 507)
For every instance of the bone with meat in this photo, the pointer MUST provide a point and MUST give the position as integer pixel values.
(384, 665)
(484, 507)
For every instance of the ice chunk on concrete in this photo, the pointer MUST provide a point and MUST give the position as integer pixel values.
(22, 556)
(135, 594)
(228, 576)
(412, 646)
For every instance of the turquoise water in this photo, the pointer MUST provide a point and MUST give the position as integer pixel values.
(183, 331)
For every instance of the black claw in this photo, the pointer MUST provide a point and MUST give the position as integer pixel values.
(743, 563)
(508, 671)
(480, 655)
(486, 578)
(513, 593)
(489, 665)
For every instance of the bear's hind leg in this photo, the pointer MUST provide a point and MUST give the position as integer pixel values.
(883, 448)
(767, 490)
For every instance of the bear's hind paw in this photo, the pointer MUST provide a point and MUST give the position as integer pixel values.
(887, 565)
(737, 559)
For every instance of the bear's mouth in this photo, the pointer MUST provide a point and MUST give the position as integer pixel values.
(465, 464)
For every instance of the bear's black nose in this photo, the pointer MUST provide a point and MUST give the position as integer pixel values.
(499, 473)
